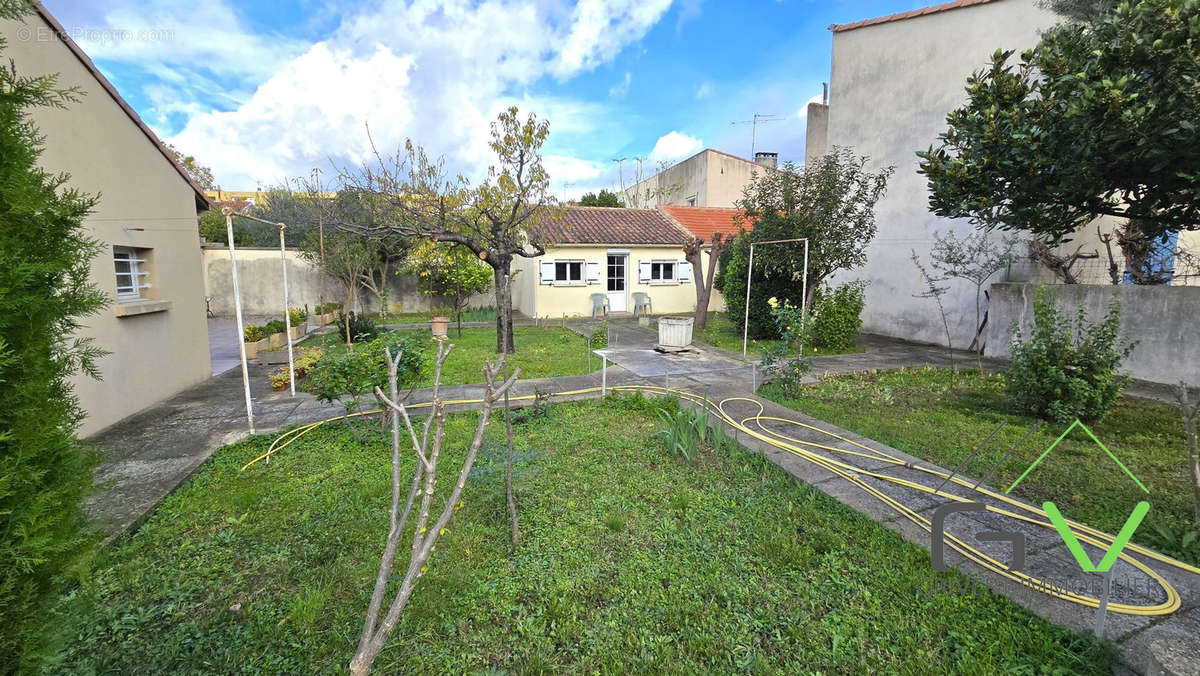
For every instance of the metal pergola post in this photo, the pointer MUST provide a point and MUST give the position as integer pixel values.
(237, 305)
(803, 287)
(287, 311)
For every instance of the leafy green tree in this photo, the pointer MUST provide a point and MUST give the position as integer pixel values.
(604, 199)
(212, 229)
(347, 259)
(44, 292)
(282, 204)
(201, 174)
(831, 202)
(449, 271)
(1097, 119)
(1082, 11)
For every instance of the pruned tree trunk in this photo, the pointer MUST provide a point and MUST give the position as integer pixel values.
(504, 324)
(1189, 407)
(427, 449)
(693, 252)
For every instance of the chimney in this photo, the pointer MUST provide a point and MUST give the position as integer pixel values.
(767, 159)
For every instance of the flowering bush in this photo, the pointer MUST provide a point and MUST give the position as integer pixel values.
(795, 330)
(305, 360)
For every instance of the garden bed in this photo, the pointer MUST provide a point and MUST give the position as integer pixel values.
(941, 415)
(630, 560)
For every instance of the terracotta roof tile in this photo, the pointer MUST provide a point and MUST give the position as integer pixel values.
(703, 222)
(957, 4)
(610, 225)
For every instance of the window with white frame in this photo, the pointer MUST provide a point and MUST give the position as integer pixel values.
(662, 271)
(568, 272)
(691, 201)
(133, 274)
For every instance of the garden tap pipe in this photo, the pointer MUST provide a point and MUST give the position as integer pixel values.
(803, 288)
(237, 305)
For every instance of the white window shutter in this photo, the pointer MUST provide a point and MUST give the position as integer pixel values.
(685, 272)
(643, 271)
(547, 272)
(593, 272)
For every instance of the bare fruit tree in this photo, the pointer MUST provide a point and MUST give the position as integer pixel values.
(427, 450)
(411, 195)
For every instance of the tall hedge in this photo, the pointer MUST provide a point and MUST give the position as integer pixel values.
(733, 288)
(44, 291)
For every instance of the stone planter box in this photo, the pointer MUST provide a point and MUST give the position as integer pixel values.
(252, 349)
(277, 340)
(675, 332)
(298, 332)
(264, 345)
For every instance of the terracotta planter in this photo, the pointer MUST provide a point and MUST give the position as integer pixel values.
(252, 349)
(277, 340)
(439, 325)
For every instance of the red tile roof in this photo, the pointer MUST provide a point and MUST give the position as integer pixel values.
(610, 225)
(201, 199)
(703, 222)
(944, 7)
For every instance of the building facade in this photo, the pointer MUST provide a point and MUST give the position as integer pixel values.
(710, 178)
(155, 329)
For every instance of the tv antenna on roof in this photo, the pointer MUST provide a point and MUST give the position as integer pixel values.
(754, 122)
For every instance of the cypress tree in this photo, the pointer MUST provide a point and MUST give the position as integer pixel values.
(45, 257)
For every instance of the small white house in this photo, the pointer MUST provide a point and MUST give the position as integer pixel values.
(619, 254)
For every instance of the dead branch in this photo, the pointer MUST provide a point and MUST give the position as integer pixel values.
(1061, 266)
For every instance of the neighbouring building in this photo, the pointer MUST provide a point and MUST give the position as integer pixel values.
(710, 178)
(615, 252)
(155, 329)
(894, 80)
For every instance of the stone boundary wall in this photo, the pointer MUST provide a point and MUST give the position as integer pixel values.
(1164, 320)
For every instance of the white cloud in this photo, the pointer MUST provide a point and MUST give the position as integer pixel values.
(704, 91)
(802, 111)
(620, 89)
(260, 108)
(675, 146)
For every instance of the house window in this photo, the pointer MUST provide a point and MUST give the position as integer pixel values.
(691, 201)
(568, 272)
(662, 271)
(133, 275)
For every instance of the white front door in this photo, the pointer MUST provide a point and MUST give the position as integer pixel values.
(616, 279)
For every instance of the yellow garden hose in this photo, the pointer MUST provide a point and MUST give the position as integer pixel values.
(753, 426)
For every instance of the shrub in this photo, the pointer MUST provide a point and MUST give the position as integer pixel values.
(349, 375)
(325, 308)
(837, 315)
(304, 362)
(274, 326)
(361, 328)
(253, 333)
(732, 283)
(298, 316)
(599, 337)
(45, 290)
(784, 361)
(1063, 373)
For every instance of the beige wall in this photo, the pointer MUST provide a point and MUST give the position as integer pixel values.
(714, 179)
(260, 276)
(892, 86)
(548, 300)
(153, 355)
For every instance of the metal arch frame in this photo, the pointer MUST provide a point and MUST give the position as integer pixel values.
(237, 304)
(749, 273)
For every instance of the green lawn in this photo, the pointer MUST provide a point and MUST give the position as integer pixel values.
(630, 560)
(941, 416)
(721, 332)
(541, 353)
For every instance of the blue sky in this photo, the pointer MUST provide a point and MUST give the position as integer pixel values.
(267, 90)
